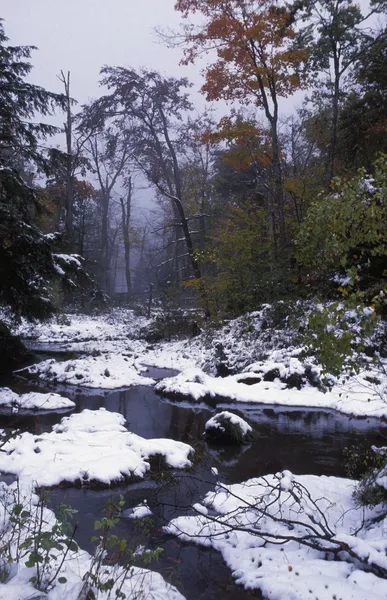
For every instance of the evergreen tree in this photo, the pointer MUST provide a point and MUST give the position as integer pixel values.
(26, 259)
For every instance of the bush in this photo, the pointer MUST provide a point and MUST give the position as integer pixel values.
(171, 324)
(370, 466)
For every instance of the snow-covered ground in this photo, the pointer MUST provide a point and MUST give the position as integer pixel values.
(280, 534)
(247, 522)
(86, 448)
(34, 401)
(358, 396)
(71, 581)
(107, 371)
(260, 363)
(118, 324)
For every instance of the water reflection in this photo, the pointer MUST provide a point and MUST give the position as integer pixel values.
(307, 441)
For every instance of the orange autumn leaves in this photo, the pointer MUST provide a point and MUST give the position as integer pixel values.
(255, 46)
(247, 143)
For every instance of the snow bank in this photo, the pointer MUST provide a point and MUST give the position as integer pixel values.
(358, 396)
(34, 401)
(108, 371)
(118, 324)
(86, 448)
(249, 523)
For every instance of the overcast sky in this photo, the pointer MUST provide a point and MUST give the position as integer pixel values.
(82, 35)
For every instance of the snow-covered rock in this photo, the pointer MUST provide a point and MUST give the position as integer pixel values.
(229, 428)
(138, 512)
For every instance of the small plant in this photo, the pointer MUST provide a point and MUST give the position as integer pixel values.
(32, 535)
(370, 465)
(107, 573)
(171, 324)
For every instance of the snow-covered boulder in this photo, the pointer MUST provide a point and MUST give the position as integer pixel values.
(229, 428)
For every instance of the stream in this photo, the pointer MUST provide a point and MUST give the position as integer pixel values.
(303, 441)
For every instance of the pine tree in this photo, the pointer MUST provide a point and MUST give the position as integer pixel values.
(26, 259)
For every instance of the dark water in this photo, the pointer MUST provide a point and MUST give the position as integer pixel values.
(307, 441)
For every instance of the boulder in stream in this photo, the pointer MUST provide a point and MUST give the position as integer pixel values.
(226, 427)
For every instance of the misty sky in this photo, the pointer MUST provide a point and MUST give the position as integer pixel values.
(82, 35)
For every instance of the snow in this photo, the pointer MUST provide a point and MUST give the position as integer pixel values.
(108, 371)
(203, 510)
(357, 396)
(70, 259)
(215, 422)
(140, 583)
(252, 346)
(95, 446)
(248, 523)
(119, 324)
(138, 512)
(34, 401)
(87, 447)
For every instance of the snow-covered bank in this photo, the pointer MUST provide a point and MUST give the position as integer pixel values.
(76, 577)
(118, 324)
(254, 353)
(92, 447)
(107, 371)
(34, 401)
(281, 533)
(358, 396)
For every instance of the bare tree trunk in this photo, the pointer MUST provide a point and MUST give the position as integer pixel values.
(278, 187)
(335, 118)
(126, 212)
(105, 242)
(69, 161)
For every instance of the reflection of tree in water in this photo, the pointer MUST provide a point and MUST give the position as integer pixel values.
(122, 404)
(186, 424)
(174, 429)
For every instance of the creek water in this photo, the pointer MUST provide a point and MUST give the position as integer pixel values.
(303, 441)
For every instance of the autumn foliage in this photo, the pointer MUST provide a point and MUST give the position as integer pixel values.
(255, 45)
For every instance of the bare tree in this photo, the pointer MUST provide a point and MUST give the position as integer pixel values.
(156, 105)
(110, 156)
(126, 209)
(67, 165)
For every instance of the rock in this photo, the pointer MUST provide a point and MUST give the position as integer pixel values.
(228, 428)
(271, 375)
(294, 380)
(252, 380)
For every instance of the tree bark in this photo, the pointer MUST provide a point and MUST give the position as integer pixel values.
(69, 161)
(126, 212)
